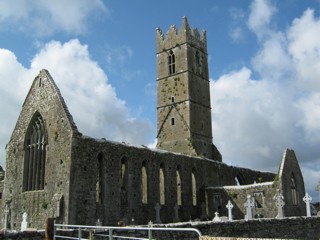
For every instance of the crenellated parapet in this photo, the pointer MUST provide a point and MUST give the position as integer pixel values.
(185, 35)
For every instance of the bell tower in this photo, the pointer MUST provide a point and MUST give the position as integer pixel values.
(183, 93)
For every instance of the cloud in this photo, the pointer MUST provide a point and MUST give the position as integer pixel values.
(46, 17)
(92, 101)
(235, 27)
(260, 16)
(278, 108)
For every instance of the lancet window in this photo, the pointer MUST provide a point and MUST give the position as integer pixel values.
(162, 185)
(172, 62)
(144, 183)
(35, 154)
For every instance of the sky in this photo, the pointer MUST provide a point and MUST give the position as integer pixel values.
(264, 65)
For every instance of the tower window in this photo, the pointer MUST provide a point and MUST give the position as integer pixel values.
(172, 121)
(35, 155)
(172, 99)
(197, 59)
(172, 63)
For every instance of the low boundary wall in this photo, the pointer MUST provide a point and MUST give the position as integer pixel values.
(287, 228)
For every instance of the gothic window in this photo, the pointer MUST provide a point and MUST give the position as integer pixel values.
(294, 194)
(179, 190)
(194, 187)
(35, 154)
(144, 183)
(197, 58)
(123, 173)
(162, 185)
(99, 181)
(172, 62)
(124, 181)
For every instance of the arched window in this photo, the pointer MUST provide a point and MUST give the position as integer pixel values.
(35, 154)
(179, 190)
(123, 173)
(197, 58)
(194, 187)
(172, 62)
(144, 183)
(99, 181)
(162, 186)
(294, 194)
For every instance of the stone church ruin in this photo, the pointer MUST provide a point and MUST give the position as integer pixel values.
(54, 171)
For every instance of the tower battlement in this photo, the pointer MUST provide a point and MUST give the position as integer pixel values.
(185, 35)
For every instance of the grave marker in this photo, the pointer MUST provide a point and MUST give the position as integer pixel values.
(229, 206)
(307, 199)
(249, 204)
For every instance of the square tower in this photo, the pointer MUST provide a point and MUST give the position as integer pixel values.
(183, 104)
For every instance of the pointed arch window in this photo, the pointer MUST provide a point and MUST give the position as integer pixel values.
(144, 183)
(99, 181)
(294, 193)
(35, 154)
(162, 185)
(172, 62)
(194, 187)
(179, 189)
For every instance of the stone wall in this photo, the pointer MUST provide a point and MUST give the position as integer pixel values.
(287, 228)
(121, 197)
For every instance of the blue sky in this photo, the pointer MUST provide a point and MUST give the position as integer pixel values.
(264, 63)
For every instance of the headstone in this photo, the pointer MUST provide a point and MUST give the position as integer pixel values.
(6, 216)
(216, 217)
(158, 208)
(176, 213)
(249, 204)
(24, 223)
(229, 206)
(279, 203)
(307, 199)
(98, 222)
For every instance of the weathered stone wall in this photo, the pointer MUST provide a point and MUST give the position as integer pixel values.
(44, 98)
(123, 202)
(262, 194)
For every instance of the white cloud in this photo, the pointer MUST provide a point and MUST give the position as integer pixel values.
(254, 120)
(260, 16)
(45, 17)
(92, 101)
(304, 46)
(247, 115)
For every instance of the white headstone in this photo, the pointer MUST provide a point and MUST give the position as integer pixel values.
(307, 199)
(279, 203)
(216, 217)
(249, 204)
(229, 206)
(24, 223)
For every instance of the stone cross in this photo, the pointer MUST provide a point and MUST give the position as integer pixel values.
(158, 208)
(279, 203)
(24, 223)
(249, 204)
(216, 217)
(307, 199)
(176, 213)
(229, 206)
